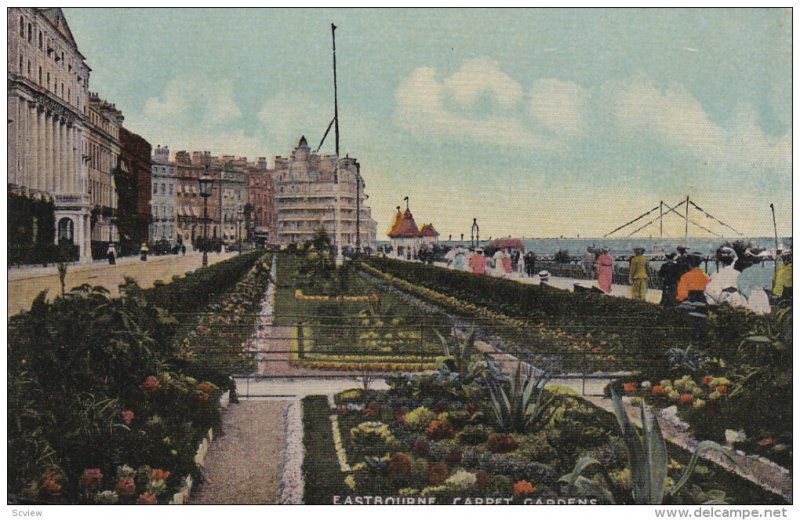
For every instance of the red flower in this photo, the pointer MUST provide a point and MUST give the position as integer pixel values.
(125, 487)
(437, 474)
(399, 465)
(150, 386)
(722, 389)
(205, 387)
(127, 416)
(630, 387)
(686, 398)
(50, 482)
(399, 414)
(657, 390)
(501, 443)
(147, 499)
(595, 350)
(523, 487)
(91, 478)
(420, 448)
(373, 409)
(769, 441)
(440, 430)
(706, 380)
(482, 480)
(158, 474)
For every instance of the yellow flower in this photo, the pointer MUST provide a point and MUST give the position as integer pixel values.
(350, 482)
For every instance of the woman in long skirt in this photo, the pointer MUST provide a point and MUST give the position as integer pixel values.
(604, 271)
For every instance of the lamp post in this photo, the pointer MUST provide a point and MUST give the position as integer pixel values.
(206, 182)
(239, 220)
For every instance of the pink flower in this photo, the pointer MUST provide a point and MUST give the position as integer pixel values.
(125, 487)
(151, 385)
(127, 416)
(147, 499)
(91, 478)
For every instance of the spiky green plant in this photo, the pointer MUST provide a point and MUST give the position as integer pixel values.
(460, 352)
(647, 461)
(523, 406)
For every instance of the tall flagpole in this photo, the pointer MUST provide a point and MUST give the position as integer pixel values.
(335, 92)
(775, 229)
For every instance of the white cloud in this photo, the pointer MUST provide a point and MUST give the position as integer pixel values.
(196, 113)
(482, 76)
(421, 108)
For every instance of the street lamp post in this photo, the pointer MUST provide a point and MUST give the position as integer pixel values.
(206, 182)
(239, 220)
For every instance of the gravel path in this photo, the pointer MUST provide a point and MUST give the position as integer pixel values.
(242, 464)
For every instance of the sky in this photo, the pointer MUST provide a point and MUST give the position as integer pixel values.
(537, 122)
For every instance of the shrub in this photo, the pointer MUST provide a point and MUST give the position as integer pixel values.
(419, 418)
(437, 474)
(438, 430)
(501, 443)
(473, 434)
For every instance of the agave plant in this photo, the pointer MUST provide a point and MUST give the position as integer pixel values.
(523, 406)
(679, 357)
(459, 352)
(647, 462)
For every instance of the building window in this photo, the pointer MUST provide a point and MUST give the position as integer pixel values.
(29, 68)
(40, 40)
(48, 81)
(170, 189)
(30, 33)
(155, 189)
(21, 60)
(21, 26)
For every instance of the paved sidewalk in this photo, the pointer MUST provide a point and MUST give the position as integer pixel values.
(242, 464)
(24, 284)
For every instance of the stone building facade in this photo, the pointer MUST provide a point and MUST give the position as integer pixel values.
(47, 96)
(163, 214)
(259, 216)
(188, 202)
(103, 123)
(133, 187)
(315, 191)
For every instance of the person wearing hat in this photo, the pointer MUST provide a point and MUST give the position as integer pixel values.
(604, 270)
(692, 284)
(544, 277)
(782, 288)
(722, 287)
(682, 260)
(637, 274)
(669, 275)
(477, 264)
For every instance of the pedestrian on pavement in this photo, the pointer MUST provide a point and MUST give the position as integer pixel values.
(521, 264)
(637, 274)
(682, 260)
(604, 270)
(183, 250)
(669, 275)
(111, 254)
(692, 284)
(530, 263)
(722, 287)
(588, 262)
(544, 277)
(143, 252)
(477, 264)
(782, 288)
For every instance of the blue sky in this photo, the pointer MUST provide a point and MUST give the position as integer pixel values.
(537, 122)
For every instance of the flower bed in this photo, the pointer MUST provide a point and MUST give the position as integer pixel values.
(345, 330)
(102, 406)
(404, 448)
(591, 332)
(324, 361)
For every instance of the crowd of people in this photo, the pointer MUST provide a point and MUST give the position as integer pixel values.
(682, 280)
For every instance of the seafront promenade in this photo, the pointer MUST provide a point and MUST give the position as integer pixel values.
(25, 283)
